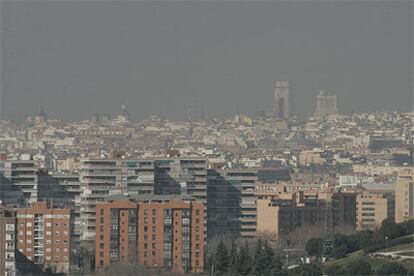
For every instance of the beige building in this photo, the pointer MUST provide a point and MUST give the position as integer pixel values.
(372, 209)
(279, 215)
(404, 200)
(401, 171)
(307, 157)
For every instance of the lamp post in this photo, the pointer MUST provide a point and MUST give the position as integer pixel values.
(386, 244)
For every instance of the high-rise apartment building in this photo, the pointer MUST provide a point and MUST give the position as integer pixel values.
(155, 231)
(72, 192)
(7, 242)
(232, 202)
(23, 175)
(182, 176)
(372, 209)
(282, 99)
(325, 105)
(404, 200)
(44, 236)
(100, 178)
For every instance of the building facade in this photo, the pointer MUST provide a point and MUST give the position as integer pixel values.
(23, 175)
(325, 105)
(156, 231)
(232, 202)
(282, 99)
(44, 236)
(372, 209)
(100, 178)
(281, 215)
(404, 200)
(7, 242)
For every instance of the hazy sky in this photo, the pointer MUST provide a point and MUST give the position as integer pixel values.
(79, 58)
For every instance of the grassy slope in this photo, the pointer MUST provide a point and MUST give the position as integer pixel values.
(375, 262)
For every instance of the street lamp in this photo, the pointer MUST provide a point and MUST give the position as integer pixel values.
(386, 244)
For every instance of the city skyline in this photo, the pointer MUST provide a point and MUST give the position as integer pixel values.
(97, 56)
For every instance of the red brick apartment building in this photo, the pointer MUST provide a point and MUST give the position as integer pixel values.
(44, 236)
(156, 231)
(7, 242)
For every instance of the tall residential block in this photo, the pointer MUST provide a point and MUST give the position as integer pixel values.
(23, 175)
(182, 176)
(44, 236)
(155, 231)
(282, 99)
(232, 202)
(7, 242)
(100, 178)
(404, 200)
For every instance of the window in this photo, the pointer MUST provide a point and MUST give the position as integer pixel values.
(29, 233)
(48, 224)
(9, 227)
(101, 211)
(154, 237)
(57, 224)
(48, 241)
(48, 249)
(145, 228)
(48, 233)
(65, 241)
(57, 241)
(29, 241)
(29, 224)
(57, 250)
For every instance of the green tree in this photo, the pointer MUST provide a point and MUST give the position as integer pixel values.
(341, 246)
(360, 240)
(233, 259)
(244, 265)
(263, 258)
(222, 259)
(359, 267)
(390, 229)
(391, 268)
(314, 247)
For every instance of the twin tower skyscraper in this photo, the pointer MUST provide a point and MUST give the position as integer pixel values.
(283, 102)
